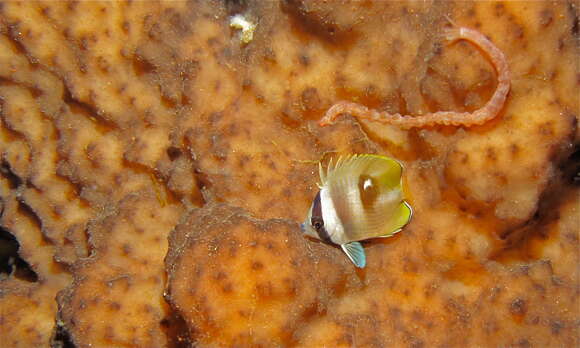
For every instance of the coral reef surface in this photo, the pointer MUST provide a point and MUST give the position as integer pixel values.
(155, 163)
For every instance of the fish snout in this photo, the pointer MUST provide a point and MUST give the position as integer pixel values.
(307, 230)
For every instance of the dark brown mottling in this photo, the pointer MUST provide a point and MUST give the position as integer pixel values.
(121, 120)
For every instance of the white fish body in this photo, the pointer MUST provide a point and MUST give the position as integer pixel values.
(360, 197)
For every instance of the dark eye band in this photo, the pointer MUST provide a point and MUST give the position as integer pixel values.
(317, 210)
(317, 221)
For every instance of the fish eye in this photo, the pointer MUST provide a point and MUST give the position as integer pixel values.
(316, 220)
(317, 224)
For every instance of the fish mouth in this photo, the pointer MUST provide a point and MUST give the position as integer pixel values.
(307, 230)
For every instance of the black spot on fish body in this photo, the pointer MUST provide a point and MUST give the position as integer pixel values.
(368, 189)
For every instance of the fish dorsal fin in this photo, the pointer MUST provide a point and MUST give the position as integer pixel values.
(387, 168)
(356, 253)
(368, 197)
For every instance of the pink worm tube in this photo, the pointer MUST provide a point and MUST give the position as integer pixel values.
(480, 116)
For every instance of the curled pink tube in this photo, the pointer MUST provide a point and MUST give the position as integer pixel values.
(479, 116)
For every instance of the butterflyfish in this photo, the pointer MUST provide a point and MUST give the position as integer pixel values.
(360, 197)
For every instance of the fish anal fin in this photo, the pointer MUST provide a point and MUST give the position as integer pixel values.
(356, 253)
(401, 217)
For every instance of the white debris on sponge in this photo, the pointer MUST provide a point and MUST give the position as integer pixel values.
(240, 22)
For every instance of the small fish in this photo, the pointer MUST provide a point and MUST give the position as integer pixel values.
(360, 197)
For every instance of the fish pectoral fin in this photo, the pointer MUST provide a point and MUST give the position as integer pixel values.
(356, 253)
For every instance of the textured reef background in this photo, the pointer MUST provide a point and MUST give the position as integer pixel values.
(154, 169)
